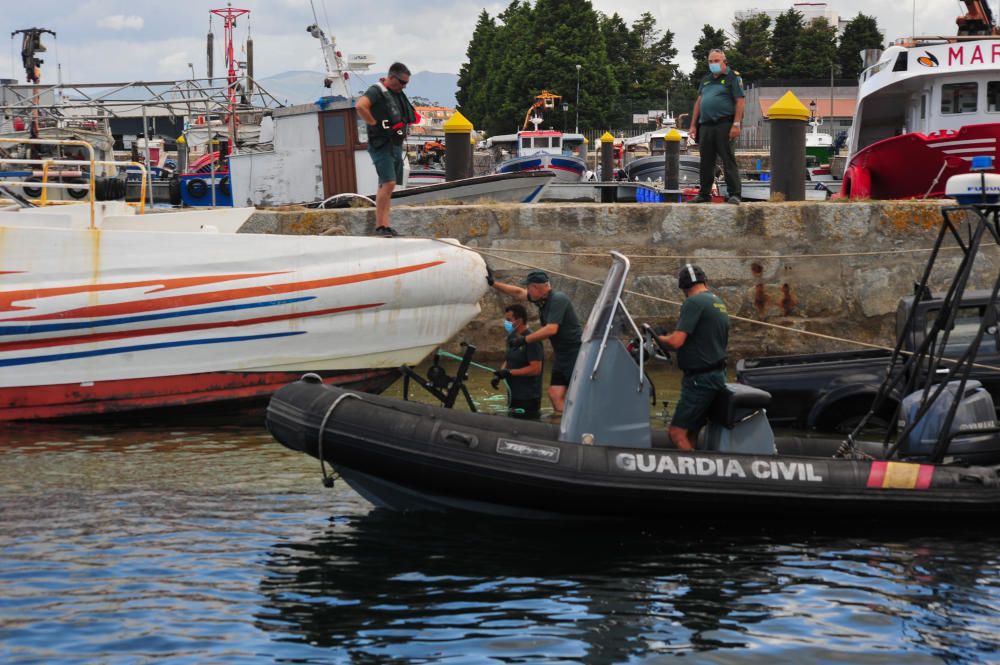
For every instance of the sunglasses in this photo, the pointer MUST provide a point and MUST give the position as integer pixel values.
(401, 81)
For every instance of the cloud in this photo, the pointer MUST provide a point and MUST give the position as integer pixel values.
(121, 22)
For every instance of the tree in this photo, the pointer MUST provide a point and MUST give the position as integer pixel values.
(710, 39)
(750, 54)
(819, 50)
(620, 44)
(860, 33)
(786, 40)
(473, 93)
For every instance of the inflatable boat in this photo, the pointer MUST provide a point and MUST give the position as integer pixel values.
(603, 459)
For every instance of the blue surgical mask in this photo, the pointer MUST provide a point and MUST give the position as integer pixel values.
(715, 67)
(508, 326)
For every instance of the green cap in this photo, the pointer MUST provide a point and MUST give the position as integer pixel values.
(536, 277)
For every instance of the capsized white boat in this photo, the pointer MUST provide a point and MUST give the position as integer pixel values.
(146, 311)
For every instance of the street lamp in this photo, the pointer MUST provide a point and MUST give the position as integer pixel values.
(565, 108)
(578, 98)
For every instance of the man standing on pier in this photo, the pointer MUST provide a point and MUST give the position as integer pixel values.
(560, 325)
(387, 111)
(700, 340)
(716, 123)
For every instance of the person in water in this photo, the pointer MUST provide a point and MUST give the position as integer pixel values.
(560, 325)
(387, 111)
(701, 339)
(522, 366)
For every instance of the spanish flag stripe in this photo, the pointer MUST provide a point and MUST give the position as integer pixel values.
(876, 474)
(900, 476)
(925, 476)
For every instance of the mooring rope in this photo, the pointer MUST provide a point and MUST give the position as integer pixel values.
(676, 303)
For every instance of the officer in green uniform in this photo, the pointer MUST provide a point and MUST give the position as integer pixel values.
(700, 340)
(716, 123)
(387, 111)
(522, 366)
(560, 325)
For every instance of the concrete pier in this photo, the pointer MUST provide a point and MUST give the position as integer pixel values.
(761, 258)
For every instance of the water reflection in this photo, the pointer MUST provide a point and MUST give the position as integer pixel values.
(402, 587)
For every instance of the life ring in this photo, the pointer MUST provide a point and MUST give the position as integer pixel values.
(197, 188)
(224, 186)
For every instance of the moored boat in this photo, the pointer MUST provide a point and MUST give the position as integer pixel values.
(603, 460)
(926, 107)
(113, 311)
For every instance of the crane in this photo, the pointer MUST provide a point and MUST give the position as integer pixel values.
(978, 20)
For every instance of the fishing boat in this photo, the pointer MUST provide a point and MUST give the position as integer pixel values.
(603, 460)
(106, 310)
(540, 149)
(926, 107)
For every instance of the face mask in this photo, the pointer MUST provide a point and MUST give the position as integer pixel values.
(508, 326)
(715, 67)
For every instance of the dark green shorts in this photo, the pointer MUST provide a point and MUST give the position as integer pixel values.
(388, 161)
(698, 391)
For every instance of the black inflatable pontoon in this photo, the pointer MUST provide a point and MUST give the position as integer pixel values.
(604, 461)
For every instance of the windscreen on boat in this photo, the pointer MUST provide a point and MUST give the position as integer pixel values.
(604, 306)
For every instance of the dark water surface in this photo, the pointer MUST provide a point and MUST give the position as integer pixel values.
(213, 544)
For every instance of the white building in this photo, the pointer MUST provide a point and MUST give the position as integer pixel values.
(809, 10)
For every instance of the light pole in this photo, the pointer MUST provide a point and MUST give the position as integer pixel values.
(578, 99)
(565, 108)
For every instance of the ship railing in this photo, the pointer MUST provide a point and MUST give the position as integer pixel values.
(47, 162)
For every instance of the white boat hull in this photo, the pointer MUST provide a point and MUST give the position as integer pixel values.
(134, 301)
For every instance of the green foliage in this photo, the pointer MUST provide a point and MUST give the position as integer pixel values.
(819, 50)
(786, 40)
(529, 48)
(473, 88)
(750, 53)
(860, 33)
(536, 45)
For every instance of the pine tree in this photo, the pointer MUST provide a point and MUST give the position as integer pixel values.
(473, 92)
(814, 61)
(750, 53)
(860, 33)
(786, 40)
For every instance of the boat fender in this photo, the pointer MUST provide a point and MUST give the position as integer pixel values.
(32, 192)
(197, 188)
(224, 186)
(311, 377)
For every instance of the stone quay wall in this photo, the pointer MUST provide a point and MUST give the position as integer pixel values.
(833, 268)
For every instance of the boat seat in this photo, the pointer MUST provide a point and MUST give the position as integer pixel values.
(736, 403)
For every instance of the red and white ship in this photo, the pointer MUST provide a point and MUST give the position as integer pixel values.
(925, 108)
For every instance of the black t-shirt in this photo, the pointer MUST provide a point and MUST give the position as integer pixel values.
(524, 387)
(566, 343)
(705, 320)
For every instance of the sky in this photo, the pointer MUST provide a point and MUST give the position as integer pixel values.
(126, 40)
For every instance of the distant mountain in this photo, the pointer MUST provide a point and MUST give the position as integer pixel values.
(299, 87)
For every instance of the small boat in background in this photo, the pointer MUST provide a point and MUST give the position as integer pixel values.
(541, 149)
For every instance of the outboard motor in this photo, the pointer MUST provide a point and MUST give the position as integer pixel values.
(737, 422)
(974, 434)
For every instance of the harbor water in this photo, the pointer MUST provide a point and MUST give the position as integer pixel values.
(210, 543)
